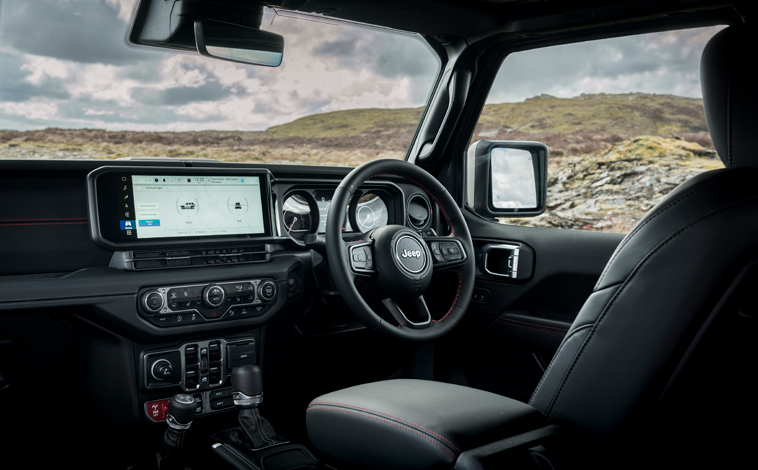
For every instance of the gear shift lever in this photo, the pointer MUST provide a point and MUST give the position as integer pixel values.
(247, 393)
(247, 386)
(181, 412)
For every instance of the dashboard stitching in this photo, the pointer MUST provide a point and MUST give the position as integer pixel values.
(13, 302)
(42, 223)
(40, 220)
(406, 428)
(444, 212)
(389, 415)
(457, 293)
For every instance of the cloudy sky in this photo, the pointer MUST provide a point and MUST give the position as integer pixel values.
(662, 63)
(64, 63)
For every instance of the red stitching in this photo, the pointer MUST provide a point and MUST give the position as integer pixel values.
(533, 324)
(444, 212)
(36, 220)
(385, 421)
(389, 415)
(48, 223)
(533, 328)
(457, 293)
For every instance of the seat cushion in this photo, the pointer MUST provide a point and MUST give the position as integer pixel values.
(412, 423)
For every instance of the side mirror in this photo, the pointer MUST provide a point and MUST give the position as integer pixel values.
(506, 178)
(223, 30)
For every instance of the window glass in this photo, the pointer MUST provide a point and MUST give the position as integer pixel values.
(70, 87)
(623, 119)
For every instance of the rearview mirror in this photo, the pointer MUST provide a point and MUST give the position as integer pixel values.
(238, 43)
(223, 30)
(506, 178)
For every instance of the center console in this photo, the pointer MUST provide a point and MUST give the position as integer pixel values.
(197, 272)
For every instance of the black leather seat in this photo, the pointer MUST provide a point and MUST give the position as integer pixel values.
(661, 353)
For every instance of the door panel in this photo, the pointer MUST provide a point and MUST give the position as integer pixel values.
(515, 327)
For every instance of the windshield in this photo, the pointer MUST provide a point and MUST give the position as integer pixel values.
(71, 88)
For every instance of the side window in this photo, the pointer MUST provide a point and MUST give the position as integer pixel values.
(623, 120)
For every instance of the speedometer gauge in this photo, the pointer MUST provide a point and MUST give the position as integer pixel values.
(297, 216)
(370, 212)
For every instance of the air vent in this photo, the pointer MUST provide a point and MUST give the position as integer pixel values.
(199, 257)
(419, 212)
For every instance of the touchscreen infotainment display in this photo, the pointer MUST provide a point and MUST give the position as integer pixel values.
(192, 206)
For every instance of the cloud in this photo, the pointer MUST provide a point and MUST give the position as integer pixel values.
(84, 31)
(17, 85)
(662, 63)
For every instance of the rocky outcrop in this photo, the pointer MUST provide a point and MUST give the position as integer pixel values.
(611, 191)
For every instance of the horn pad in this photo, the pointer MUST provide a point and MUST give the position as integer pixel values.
(403, 261)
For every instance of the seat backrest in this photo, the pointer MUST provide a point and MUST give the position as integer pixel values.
(674, 286)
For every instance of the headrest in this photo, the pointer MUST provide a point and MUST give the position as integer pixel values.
(730, 94)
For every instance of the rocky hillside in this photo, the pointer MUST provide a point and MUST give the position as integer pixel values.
(602, 175)
(612, 190)
(570, 127)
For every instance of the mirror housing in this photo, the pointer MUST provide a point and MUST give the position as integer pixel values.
(506, 178)
(227, 30)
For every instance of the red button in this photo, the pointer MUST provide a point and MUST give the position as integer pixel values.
(156, 410)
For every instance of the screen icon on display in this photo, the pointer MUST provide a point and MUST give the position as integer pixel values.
(127, 224)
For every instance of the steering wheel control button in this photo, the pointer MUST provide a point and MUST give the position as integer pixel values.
(361, 258)
(451, 251)
(152, 301)
(411, 254)
(436, 252)
(267, 290)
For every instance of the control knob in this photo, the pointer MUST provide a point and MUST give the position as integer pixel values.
(162, 369)
(213, 296)
(152, 301)
(267, 290)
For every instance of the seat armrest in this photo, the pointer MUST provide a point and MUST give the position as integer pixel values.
(413, 423)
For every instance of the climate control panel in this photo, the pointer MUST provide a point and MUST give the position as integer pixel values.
(198, 303)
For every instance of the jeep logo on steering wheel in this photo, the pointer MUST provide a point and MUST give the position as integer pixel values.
(411, 254)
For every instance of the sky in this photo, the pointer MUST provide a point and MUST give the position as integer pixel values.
(660, 63)
(65, 63)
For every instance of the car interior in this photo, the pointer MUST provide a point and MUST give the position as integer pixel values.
(387, 316)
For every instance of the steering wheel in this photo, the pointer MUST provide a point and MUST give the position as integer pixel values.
(399, 260)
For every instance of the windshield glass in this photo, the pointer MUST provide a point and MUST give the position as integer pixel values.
(71, 88)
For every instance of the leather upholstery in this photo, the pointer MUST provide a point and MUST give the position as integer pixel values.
(668, 273)
(412, 423)
(729, 95)
(658, 296)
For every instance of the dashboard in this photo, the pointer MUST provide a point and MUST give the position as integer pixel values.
(166, 207)
(170, 273)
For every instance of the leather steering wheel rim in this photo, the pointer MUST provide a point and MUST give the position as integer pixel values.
(340, 266)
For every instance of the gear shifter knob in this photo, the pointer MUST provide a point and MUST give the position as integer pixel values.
(181, 411)
(247, 386)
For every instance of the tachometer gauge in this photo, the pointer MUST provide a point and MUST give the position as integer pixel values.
(370, 212)
(297, 216)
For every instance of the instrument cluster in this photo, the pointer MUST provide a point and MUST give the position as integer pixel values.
(304, 210)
